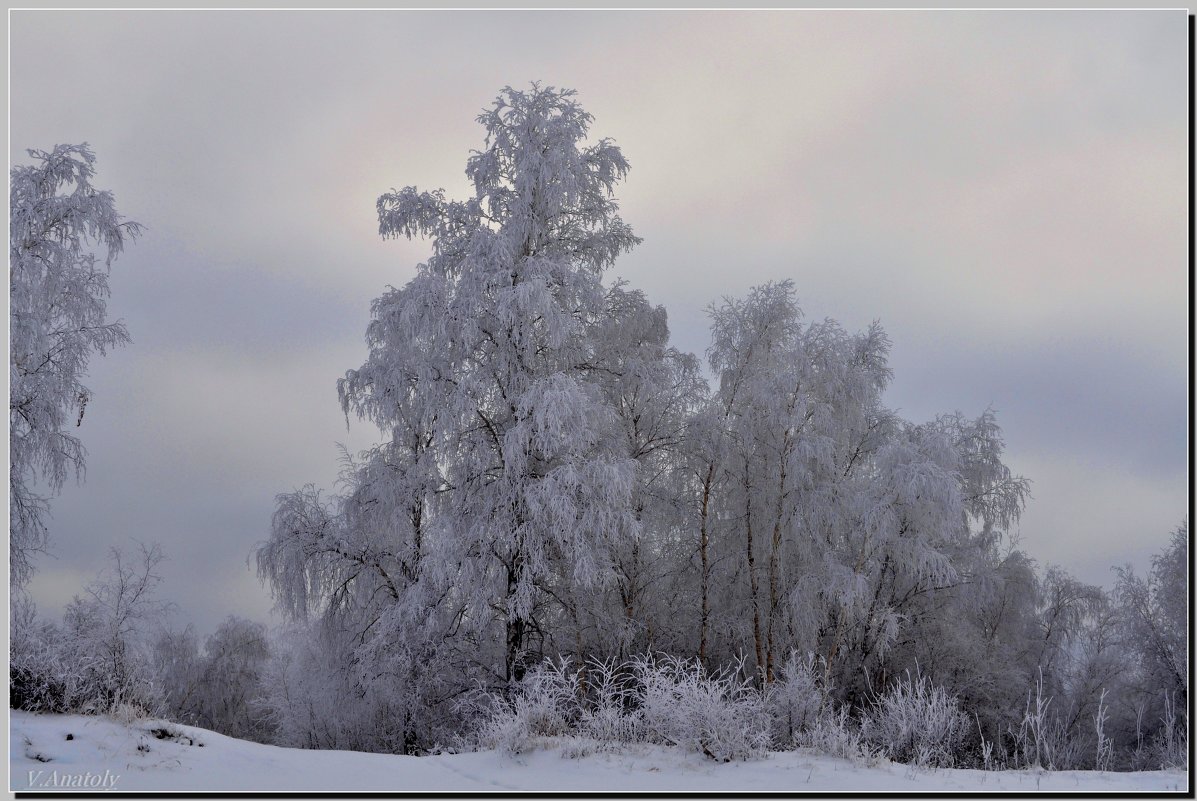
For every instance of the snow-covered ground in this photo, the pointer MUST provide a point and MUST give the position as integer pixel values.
(105, 754)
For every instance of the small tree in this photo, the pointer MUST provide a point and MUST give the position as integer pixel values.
(58, 318)
(107, 643)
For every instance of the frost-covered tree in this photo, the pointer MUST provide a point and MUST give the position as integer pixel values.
(305, 693)
(750, 339)
(652, 388)
(58, 288)
(826, 524)
(1156, 612)
(799, 407)
(506, 485)
(109, 630)
(508, 305)
(700, 463)
(235, 658)
(179, 665)
(947, 502)
(908, 508)
(1154, 619)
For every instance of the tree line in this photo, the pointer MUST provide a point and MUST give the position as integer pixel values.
(566, 521)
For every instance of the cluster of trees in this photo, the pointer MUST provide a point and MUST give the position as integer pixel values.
(114, 653)
(220, 686)
(557, 482)
(99, 659)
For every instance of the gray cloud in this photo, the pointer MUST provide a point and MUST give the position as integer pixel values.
(1005, 191)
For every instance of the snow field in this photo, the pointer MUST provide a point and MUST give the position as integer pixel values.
(148, 755)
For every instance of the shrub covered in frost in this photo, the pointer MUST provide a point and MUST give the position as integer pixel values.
(835, 733)
(796, 699)
(717, 714)
(664, 700)
(98, 661)
(611, 712)
(545, 704)
(914, 721)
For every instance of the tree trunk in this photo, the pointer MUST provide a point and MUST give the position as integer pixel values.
(516, 625)
(774, 557)
(703, 542)
(752, 581)
(515, 647)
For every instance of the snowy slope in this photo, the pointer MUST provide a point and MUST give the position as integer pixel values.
(131, 757)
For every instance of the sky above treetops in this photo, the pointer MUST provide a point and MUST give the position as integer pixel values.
(1005, 191)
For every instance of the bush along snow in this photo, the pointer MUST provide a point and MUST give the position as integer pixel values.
(654, 699)
(914, 721)
(720, 714)
(545, 704)
(797, 698)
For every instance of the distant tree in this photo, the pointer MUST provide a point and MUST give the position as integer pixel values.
(58, 289)
(179, 666)
(102, 658)
(221, 687)
(108, 634)
(1157, 612)
(1154, 615)
(234, 660)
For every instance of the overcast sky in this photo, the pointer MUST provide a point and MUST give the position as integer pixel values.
(1006, 192)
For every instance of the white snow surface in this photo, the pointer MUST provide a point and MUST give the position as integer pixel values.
(108, 751)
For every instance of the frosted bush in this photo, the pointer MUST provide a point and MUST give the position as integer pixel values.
(834, 733)
(545, 704)
(99, 659)
(1168, 748)
(611, 713)
(662, 700)
(37, 680)
(804, 715)
(795, 699)
(127, 712)
(1044, 739)
(719, 714)
(915, 722)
